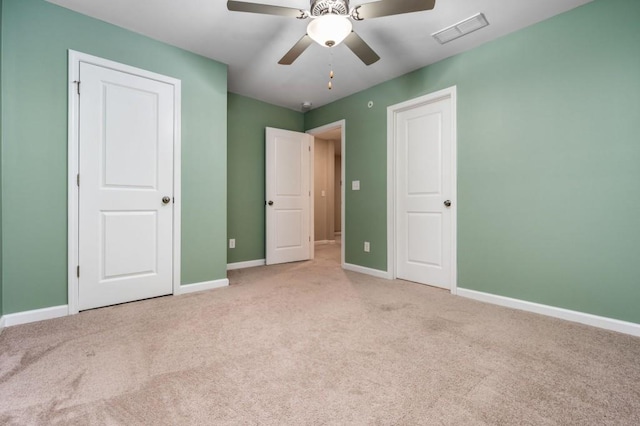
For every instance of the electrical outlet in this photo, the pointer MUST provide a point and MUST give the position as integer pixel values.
(355, 185)
(232, 243)
(367, 247)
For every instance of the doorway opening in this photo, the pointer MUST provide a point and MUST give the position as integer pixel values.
(327, 188)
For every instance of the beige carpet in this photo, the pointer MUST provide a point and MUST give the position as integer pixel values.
(310, 344)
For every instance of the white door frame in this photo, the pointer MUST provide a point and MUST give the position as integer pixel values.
(392, 112)
(316, 131)
(75, 58)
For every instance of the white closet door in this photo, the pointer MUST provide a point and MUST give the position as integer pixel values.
(126, 187)
(423, 190)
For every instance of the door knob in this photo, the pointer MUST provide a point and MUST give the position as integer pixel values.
(270, 203)
(447, 203)
(166, 200)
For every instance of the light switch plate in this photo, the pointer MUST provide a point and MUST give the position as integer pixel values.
(355, 185)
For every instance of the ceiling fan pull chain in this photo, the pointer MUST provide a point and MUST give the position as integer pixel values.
(330, 85)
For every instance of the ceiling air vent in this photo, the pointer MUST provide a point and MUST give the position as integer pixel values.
(460, 29)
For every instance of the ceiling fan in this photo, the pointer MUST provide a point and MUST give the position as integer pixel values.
(330, 22)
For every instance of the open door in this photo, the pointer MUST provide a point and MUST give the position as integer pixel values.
(288, 196)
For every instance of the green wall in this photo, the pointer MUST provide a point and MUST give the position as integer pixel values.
(35, 38)
(247, 119)
(548, 161)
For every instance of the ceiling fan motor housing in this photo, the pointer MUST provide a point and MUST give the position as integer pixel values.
(326, 7)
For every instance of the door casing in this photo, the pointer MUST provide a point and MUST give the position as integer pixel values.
(392, 112)
(75, 58)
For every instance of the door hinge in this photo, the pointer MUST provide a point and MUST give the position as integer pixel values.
(309, 148)
(78, 271)
(309, 238)
(78, 179)
(77, 83)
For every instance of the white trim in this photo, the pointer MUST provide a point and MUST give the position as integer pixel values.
(368, 271)
(2, 324)
(342, 124)
(552, 311)
(320, 242)
(73, 149)
(203, 286)
(35, 315)
(312, 196)
(177, 184)
(392, 111)
(246, 264)
(73, 252)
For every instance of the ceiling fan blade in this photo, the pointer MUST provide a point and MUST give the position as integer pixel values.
(361, 49)
(297, 49)
(265, 9)
(377, 9)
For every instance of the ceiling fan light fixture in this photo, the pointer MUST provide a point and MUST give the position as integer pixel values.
(329, 30)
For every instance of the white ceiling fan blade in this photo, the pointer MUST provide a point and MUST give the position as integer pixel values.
(297, 49)
(361, 49)
(378, 9)
(265, 9)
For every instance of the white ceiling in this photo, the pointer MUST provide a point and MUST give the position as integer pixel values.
(252, 44)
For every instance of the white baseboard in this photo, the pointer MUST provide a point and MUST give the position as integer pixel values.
(552, 311)
(35, 315)
(26, 317)
(247, 264)
(207, 285)
(369, 271)
(1, 324)
(325, 242)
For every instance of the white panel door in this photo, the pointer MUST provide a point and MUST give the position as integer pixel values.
(288, 196)
(423, 193)
(126, 169)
